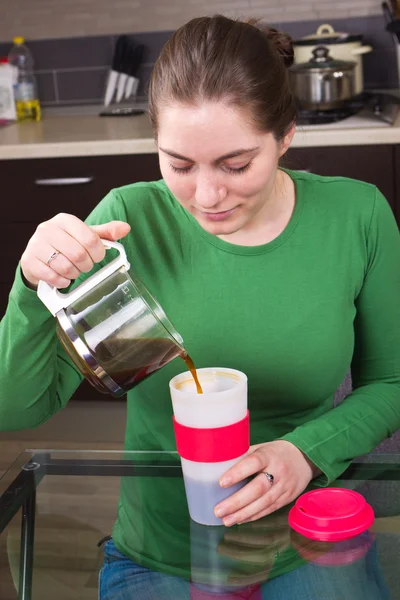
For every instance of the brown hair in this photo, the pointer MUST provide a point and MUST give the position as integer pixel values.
(217, 58)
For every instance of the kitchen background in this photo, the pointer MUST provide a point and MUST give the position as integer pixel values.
(73, 44)
(73, 48)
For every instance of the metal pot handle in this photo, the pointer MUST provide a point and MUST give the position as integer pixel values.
(325, 28)
(56, 301)
(362, 50)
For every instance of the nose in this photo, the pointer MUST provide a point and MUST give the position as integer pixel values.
(208, 192)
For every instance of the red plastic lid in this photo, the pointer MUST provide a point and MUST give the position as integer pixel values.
(331, 514)
(3, 60)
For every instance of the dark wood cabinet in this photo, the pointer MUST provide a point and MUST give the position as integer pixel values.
(396, 162)
(36, 190)
(373, 164)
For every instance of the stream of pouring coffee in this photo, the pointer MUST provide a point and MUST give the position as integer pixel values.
(192, 369)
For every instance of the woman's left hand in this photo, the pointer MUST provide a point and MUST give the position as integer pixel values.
(292, 471)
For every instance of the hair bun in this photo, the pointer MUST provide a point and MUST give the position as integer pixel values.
(283, 44)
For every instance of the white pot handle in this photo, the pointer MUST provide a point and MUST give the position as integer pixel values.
(56, 301)
(362, 50)
(325, 28)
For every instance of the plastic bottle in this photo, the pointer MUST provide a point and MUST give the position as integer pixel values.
(25, 89)
(7, 104)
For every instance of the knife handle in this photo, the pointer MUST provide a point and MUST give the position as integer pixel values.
(121, 86)
(129, 86)
(110, 89)
(135, 86)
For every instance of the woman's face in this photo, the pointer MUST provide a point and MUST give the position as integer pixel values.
(220, 168)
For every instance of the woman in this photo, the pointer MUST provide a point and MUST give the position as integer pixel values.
(287, 276)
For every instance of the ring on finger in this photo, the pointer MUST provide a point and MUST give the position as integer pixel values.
(270, 477)
(52, 256)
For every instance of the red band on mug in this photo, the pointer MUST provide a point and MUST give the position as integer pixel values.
(215, 444)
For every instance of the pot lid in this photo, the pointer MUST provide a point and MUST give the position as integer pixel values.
(327, 35)
(322, 60)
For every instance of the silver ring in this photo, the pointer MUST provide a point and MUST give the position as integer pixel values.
(269, 477)
(53, 256)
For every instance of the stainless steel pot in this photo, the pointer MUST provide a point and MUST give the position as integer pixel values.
(323, 83)
(341, 45)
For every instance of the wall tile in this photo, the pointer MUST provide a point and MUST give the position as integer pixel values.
(73, 53)
(144, 76)
(46, 19)
(69, 53)
(4, 48)
(74, 70)
(263, 3)
(46, 89)
(380, 69)
(81, 85)
(153, 41)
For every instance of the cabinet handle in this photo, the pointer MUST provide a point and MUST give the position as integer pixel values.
(64, 181)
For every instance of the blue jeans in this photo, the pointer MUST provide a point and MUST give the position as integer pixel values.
(122, 579)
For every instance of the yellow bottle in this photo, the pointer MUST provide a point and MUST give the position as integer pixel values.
(25, 88)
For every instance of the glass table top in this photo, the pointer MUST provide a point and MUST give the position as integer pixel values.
(82, 498)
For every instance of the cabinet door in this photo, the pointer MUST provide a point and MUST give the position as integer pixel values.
(373, 164)
(15, 237)
(4, 292)
(397, 183)
(36, 190)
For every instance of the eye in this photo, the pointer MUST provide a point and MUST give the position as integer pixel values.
(239, 170)
(180, 170)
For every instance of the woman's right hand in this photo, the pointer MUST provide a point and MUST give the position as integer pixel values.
(79, 247)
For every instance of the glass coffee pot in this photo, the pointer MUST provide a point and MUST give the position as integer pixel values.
(111, 326)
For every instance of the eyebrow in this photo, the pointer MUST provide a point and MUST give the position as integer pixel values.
(237, 152)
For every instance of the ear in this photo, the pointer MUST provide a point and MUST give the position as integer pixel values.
(287, 140)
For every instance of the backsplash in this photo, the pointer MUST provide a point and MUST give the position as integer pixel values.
(74, 70)
(44, 19)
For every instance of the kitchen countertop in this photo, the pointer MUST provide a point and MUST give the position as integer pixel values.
(81, 132)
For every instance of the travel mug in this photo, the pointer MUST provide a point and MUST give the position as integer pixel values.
(212, 432)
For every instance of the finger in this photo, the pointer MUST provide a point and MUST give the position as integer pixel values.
(114, 230)
(60, 264)
(266, 504)
(83, 234)
(251, 464)
(271, 508)
(278, 521)
(269, 523)
(64, 267)
(70, 248)
(44, 273)
(257, 488)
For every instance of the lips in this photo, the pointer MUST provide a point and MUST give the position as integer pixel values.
(217, 216)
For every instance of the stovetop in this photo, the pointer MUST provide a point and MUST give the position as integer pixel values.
(370, 108)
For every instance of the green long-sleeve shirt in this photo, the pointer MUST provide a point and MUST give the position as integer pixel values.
(292, 314)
